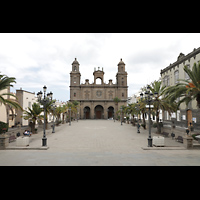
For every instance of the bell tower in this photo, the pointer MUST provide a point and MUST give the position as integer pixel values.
(75, 79)
(75, 74)
(121, 74)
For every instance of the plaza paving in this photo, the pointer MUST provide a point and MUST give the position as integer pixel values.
(98, 143)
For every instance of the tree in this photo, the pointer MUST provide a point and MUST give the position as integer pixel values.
(48, 110)
(6, 82)
(33, 115)
(186, 90)
(116, 100)
(132, 109)
(58, 111)
(161, 102)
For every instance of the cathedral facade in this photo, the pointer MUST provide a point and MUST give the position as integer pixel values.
(96, 99)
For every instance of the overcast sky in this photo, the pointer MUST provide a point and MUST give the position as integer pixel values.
(38, 59)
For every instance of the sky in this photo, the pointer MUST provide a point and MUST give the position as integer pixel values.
(38, 59)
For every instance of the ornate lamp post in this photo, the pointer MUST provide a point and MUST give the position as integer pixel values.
(44, 101)
(149, 99)
(54, 107)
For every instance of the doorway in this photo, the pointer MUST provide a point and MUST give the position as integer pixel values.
(87, 112)
(98, 110)
(110, 112)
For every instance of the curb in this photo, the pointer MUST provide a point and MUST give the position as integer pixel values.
(163, 148)
(26, 148)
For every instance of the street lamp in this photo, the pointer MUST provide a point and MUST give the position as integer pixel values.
(149, 99)
(44, 101)
(53, 107)
(138, 124)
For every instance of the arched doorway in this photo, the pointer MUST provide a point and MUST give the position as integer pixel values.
(99, 112)
(110, 112)
(86, 112)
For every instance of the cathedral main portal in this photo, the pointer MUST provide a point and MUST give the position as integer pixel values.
(99, 112)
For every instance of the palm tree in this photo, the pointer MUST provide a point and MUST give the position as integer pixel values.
(132, 109)
(33, 115)
(142, 108)
(58, 112)
(116, 100)
(161, 102)
(48, 110)
(5, 83)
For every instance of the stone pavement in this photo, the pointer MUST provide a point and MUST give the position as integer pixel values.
(98, 143)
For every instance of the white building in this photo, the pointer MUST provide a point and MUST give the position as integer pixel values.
(26, 100)
(169, 76)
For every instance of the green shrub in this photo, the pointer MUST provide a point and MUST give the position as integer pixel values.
(2, 126)
(193, 135)
(155, 125)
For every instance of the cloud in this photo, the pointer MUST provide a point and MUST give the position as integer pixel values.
(38, 59)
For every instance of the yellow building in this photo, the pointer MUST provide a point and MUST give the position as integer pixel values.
(6, 114)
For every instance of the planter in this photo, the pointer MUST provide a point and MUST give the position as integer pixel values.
(4, 141)
(22, 141)
(158, 141)
(188, 142)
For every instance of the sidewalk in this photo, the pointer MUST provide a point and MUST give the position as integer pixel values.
(35, 141)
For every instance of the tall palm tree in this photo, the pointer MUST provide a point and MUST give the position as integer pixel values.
(116, 100)
(161, 102)
(48, 110)
(5, 83)
(33, 115)
(133, 110)
(186, 90)
(58, 112)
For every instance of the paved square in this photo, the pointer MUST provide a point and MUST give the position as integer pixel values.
(97, 142)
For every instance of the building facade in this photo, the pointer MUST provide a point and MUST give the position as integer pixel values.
(96, 99)
(6, 115)
(26, 100)
(169, 76)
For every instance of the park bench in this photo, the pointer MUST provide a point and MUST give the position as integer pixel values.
(165, 134)
(179, 139)
(12, 138)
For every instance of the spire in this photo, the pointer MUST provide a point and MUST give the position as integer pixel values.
(75, 62)
(121, 62)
